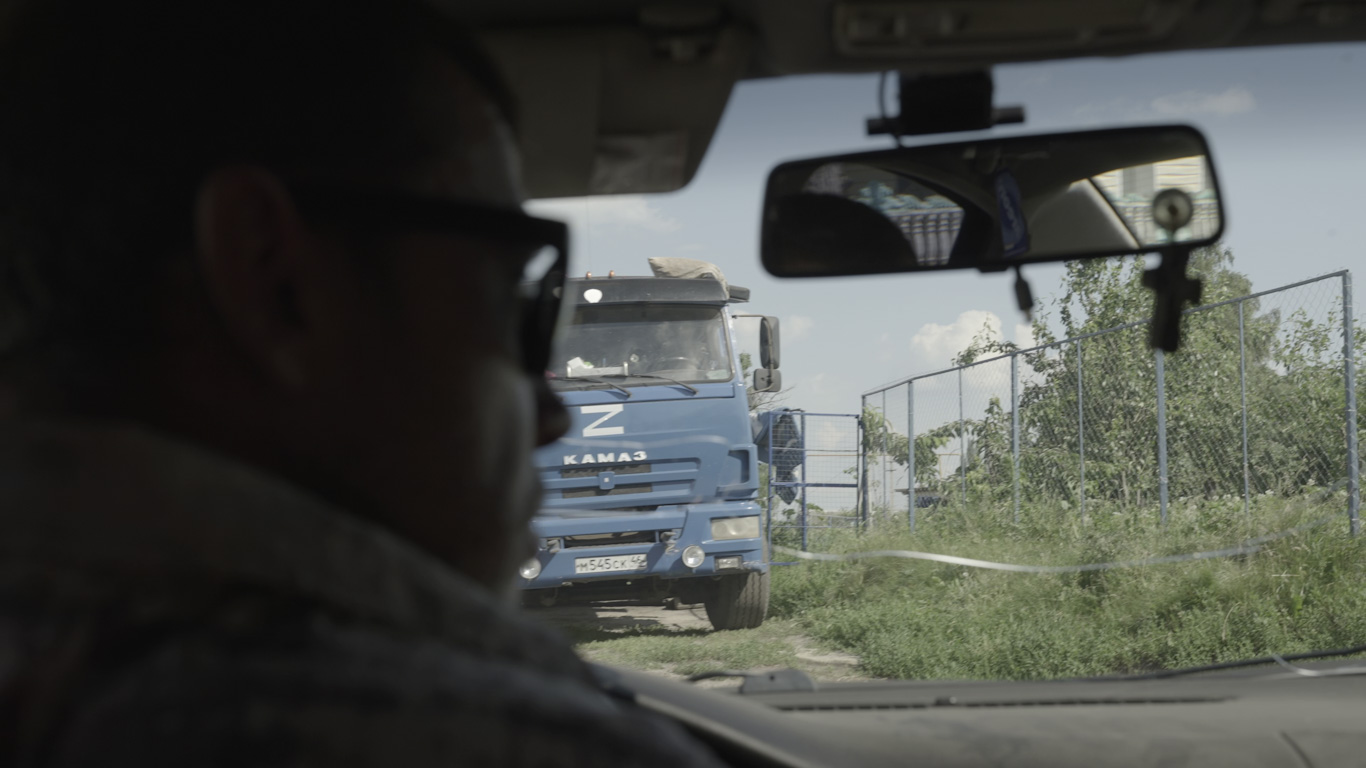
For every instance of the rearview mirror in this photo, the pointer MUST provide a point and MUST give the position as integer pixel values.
(767, 380)
(768, 342)
(992, 204)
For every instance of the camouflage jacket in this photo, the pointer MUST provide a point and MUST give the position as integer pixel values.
(160, 605)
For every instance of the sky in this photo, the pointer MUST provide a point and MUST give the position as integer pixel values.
(1287, 128)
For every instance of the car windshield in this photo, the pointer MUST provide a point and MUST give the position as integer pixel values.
(641, 345)
(961, 489)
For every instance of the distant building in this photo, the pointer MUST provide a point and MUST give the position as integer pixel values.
(1132, 191)
(1188, 173)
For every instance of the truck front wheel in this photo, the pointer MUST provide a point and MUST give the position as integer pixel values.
(738, 601)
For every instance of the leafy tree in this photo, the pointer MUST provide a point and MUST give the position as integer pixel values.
(1294, 391)
(879, 438)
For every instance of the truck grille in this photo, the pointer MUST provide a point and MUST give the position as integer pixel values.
(611, 539)
(624, 490)
(597, 469)
(621, 489)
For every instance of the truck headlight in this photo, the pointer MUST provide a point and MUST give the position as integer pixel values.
(735, 528)
(693, 556)
(530, 569)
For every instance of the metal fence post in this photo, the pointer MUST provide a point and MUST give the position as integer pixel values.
(910, 454)
(1015, 433)
(1350, 378)
(882, 464)
(1081, 436)
(768, 504)
(1242, 385)
(1161, 437)
(860, 509)
(864, 443)
(962, 445)
(806, 522)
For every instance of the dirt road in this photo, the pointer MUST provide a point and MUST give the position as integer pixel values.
(679, 642)
(623, 616)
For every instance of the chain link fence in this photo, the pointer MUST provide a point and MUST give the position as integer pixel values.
(813, 478)
(1260, 401)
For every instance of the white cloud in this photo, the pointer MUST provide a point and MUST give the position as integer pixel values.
(797, 326)
(813, 385)
(1234, 101)
(1024, 336)
(1114, 109)
(609, 212)
(934, 346)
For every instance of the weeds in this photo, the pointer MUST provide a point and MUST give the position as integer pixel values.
(925, 620)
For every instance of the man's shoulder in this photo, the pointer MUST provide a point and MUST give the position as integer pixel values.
(358, 696)
(163, 606)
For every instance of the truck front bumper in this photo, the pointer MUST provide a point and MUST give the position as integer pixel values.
(601, 546)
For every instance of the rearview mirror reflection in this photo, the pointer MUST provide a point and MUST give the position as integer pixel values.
(991, 204)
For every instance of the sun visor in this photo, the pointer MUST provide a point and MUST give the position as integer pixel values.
(616, 110)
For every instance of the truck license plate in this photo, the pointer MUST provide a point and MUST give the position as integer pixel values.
(609, 564)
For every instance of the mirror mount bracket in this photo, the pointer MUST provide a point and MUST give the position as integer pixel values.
(1024, 295)
(1172, 289)
(950, 103)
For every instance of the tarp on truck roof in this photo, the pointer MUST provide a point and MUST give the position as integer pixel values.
(687, 269)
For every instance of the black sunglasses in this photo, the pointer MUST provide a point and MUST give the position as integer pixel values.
(541, 288)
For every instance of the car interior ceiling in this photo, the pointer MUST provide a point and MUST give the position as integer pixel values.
(625, 95)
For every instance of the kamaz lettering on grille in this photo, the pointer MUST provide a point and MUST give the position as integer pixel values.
(605, 458)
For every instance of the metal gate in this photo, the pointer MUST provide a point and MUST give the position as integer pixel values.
(816, 479)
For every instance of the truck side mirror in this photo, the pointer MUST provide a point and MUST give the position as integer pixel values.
(768, 346)
(767, 380)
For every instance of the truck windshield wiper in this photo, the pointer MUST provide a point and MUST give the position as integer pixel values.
(684, 385)
(596, 380)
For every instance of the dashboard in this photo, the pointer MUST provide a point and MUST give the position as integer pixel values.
(1263, 717)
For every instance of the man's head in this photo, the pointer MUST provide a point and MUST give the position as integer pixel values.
(160, 259)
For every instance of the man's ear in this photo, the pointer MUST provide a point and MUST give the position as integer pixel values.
(254, 252)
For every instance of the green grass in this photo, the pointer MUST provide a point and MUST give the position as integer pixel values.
(687, 652)
(924, 620)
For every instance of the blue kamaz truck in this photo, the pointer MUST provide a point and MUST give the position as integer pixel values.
(652, 495)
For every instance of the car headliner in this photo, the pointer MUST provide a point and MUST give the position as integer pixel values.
(623, 96)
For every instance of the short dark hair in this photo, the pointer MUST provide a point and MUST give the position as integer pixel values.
(113, 113)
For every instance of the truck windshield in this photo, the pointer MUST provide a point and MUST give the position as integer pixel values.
(636, 344)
